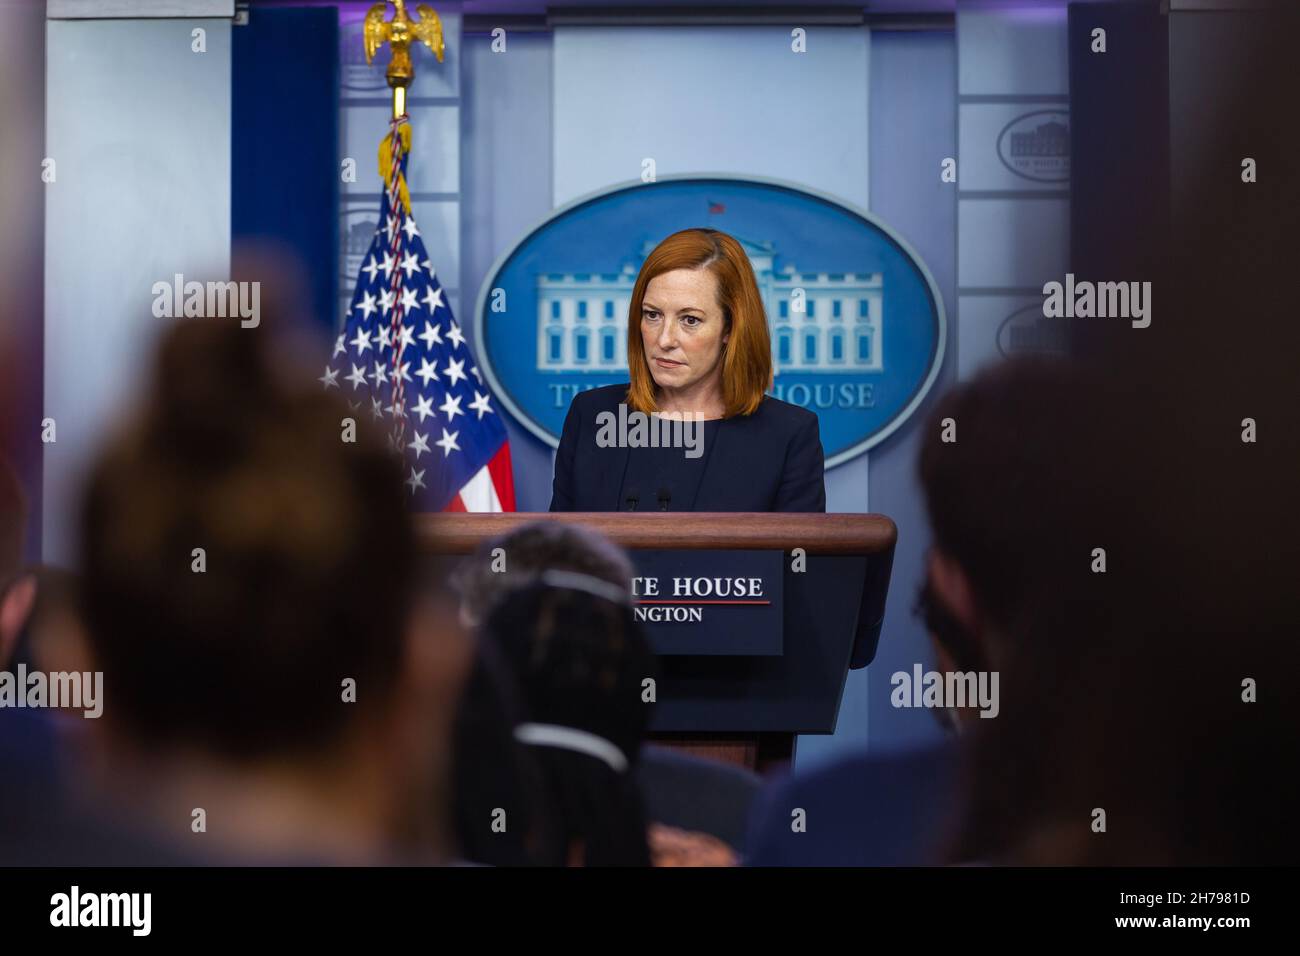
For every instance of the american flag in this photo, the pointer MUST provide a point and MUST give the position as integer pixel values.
(403, 361)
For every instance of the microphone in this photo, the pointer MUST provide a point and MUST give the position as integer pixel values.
(663, 497)
(631, 500)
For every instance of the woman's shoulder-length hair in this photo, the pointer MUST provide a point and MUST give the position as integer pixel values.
(747, 356)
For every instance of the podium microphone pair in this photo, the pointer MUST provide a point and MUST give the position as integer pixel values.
(663, 496)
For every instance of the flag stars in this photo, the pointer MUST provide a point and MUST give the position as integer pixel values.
(380, 373)
(358, 377)
(420, 445)
(371, 267)
(429, 265)
(431, 335)
(416, 481)
(455, 335)
(448, 442)
(451, 406)
(377, 408)
(473, 370)
(397, 409)
(424, 407)
(427, 371)
(386, 300)
(388, 265)
(330, 379)
(433, 299)
(385, 340)
(408, 227)
(480, 405)
(362, 341)
(409, 301)
(340, 345)
(409, 265)
(404, 371)
(367, 305)
(455, 371)
(407, 336)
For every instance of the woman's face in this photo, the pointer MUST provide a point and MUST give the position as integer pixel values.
(682, 328)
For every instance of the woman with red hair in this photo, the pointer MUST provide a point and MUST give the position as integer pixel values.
(699, 363)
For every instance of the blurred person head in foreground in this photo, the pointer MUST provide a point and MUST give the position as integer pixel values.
(1007, 472)
(1145, 705)
(580, 658)
(1150, 718)
(1005, 485)
(248, 592)
(492, 770)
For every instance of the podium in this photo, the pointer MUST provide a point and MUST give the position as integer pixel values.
(756, 617)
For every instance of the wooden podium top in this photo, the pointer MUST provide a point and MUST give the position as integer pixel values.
(816, 533)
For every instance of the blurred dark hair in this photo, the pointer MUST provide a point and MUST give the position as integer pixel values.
(530, 549)
(1128, 691)
(580, 659)
(492, 771)
(308, 547)
(947, 631)
(1012, 499)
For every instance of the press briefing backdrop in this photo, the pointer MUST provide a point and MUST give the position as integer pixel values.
(501, 138)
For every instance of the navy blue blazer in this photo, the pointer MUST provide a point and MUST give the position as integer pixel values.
(771, 460)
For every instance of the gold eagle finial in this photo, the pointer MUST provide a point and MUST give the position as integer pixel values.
(399, 33)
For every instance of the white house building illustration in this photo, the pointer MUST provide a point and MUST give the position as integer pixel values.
(819, 321)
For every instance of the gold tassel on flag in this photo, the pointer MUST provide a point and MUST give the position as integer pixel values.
(387, 166)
